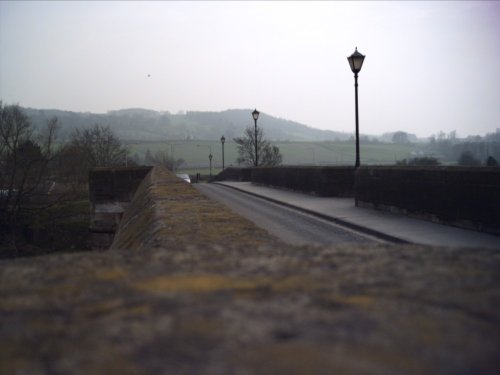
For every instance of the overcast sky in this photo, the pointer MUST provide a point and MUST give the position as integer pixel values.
(429, 66)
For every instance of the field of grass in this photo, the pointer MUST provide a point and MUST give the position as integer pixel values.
(195, 153)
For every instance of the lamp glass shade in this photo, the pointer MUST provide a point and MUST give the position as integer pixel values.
(223, 139)
(356, 61)
(255, 114)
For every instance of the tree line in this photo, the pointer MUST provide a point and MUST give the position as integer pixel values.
(39, 174)
(143, 125)
(44, 180)
(471, 151)
(268, 154)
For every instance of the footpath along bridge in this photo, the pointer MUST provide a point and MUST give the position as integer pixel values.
(188, 286)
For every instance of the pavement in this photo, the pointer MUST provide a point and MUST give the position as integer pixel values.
(388, 226)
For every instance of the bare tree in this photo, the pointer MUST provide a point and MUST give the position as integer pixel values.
(400, 137)
(467, 158)
(98, 147)
(269, 154)
(164, 159)
(24, 163)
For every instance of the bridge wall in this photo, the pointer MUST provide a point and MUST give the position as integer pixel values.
(323, 181)
(461, 196)
(234, 174)
(169, 213)
(110, 192)
(468, 197)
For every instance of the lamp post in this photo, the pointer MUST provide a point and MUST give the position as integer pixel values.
(356, 62)
(255, 115)
(173, 158)
(222, 141)
(210, 159)
(209, 156)
(172, 153)
(313, 155)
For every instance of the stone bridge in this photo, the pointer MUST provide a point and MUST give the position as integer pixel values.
(188, 287)
(110, 192)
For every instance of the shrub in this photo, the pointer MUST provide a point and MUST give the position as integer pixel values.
(467, 158)
(422, 161)
(491, 162)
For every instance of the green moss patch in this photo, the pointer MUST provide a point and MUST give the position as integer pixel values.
(168, 212)
(190, 288)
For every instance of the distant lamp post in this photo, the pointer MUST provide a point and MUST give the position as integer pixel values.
(255, 115)
(210, 156)
(222, 141)
(313, 155)
(356, 62)
(173, 157)
(210, 159)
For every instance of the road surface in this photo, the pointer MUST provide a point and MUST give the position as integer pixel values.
(291, 226)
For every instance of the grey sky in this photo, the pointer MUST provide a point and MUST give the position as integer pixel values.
(430, 66)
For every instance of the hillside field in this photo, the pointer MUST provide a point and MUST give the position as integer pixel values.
(195, 153)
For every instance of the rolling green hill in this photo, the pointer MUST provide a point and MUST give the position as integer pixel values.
(147, 125)
(192, 136)
(195, 153)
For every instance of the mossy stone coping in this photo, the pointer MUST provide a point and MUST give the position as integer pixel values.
(168, 300)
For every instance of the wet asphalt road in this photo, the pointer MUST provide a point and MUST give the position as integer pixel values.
(291, 226)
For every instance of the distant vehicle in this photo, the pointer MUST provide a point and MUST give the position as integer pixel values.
(185, 177)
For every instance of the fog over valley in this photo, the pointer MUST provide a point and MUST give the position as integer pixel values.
(429, 67)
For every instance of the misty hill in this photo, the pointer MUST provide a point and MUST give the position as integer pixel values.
(148, 125)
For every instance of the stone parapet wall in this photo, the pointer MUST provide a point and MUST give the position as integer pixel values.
(115, 184)
(168, 212)
(234, 174)
(110, 191)
(322, 181)
(191, 288)
(467, 197)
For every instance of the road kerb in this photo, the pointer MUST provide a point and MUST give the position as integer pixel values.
(333, 219)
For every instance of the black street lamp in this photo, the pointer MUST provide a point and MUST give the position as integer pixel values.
(210, 159)
(356, 62)
(209, 156)
(222, 140)
(255, 115)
